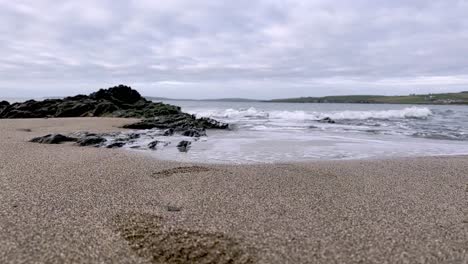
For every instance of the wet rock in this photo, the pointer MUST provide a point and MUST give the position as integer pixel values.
(178, 123)
(132, 136)
(209, 123)
(90, 141)
(145, 124)
(174, 121)
(53, 139)
(168, 132)
(154, 144)
(184, 146)
(119, 101)
(123, 137)
(193, 133)
(327, 120)
(116, 144)
(82, 134)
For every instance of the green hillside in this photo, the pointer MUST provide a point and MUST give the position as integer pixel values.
(444, 98)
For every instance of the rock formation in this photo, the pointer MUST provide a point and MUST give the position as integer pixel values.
(118, 101)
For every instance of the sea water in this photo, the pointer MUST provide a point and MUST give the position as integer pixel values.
(288, 132)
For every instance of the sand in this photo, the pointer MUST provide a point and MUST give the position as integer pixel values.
(68, 204)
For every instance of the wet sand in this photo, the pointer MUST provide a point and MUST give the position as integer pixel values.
(68, 204)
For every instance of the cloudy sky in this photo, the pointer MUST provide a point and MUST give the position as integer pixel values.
(242, 48)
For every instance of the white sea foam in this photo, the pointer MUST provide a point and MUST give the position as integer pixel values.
(294, 115)
(265, 132)
(232, 113)
(409, 112)
(253, 113)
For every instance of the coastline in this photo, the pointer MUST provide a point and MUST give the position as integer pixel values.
(62, 204)
(358, 103)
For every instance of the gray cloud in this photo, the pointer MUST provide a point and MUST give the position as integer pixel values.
(208, 48)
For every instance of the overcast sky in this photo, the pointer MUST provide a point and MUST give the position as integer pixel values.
(242, 48)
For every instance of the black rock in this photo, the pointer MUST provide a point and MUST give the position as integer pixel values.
(119, 94)
(29, 109)
(145, 124)
(74, 109)
(173, 121)
(178, 122)
(119, 101)
(154, 144)
(83, 134)
(117, 144)
(78, 97)
(327, 120)
(90, 141)
(193, 133)
(168, 132)
(105, 108)
(132, 136)
(209, 123)
(53, 139)
(184, 146)
(3, 105)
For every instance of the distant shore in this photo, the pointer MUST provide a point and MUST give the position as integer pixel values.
(460, 98)
(62, 203)
(427, 99)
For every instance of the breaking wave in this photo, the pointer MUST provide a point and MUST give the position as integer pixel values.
(253, 113)
(409, 112)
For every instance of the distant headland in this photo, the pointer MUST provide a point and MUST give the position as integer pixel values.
(441, 98)
(460, 98)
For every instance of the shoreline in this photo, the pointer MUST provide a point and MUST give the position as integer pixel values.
(145, 154)
(63, 204)
(418, 104)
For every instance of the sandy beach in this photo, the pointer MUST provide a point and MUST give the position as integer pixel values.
(69, 204)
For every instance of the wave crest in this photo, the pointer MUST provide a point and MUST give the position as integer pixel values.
(409, 112)
(253, 113)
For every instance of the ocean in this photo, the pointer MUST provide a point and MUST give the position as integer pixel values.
(287, 132)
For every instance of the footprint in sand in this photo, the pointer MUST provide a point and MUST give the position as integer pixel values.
(151, 239)
(24, 129)
(180, 170)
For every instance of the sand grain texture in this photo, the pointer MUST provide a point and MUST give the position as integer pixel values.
(180, 170)
(69, 204)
